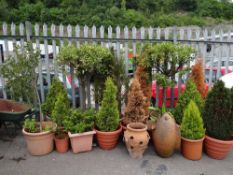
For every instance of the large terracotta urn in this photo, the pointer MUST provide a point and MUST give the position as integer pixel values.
(136, 139)
(166, 136)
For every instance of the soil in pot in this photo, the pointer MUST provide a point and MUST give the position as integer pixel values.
(217, 149)
(62, 142)
(136, 138)
(192, 149)
(108, 140)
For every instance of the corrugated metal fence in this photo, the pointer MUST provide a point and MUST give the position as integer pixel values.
(215, 47)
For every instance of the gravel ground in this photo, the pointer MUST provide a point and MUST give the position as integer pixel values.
(15, 160)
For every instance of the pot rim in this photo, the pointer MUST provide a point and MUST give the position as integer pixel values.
(118, 130)
(218, 140)
(190, 140)
(36, 134)
(81, 134)
(130, 127)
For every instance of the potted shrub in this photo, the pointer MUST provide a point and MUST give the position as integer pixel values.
(190, 93)
(59, 112)
(107, 119)
(56, 106)
(192, 132)
(79, 125)
(218, 120)
(38, 136)
(21, 78)
(136, 136)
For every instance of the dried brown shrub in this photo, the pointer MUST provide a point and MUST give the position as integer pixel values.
(134, 111)
(198, 76)
(143, 78)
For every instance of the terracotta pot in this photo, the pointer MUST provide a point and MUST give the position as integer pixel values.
(81, 142)
(217, 149)
(108, 140)
(136, 139)
(192, 149)
(40, 143)
(62, 144)
(124, 128)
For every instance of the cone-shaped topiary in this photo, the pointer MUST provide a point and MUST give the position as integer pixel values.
(198, 77)
(190, 93)
(192, 126)
(217, 114)
(55, 89)
(60, 110)
(134, 111)
(107, 118)
(145, 83)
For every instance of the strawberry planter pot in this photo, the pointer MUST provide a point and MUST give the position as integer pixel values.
(81, 142)
(136, 139)
(217, 149)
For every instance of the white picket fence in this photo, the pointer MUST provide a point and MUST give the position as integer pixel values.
(215, 47)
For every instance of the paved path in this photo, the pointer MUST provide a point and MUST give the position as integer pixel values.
(15, 160)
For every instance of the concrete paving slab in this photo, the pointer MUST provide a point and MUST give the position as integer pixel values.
(15, 160)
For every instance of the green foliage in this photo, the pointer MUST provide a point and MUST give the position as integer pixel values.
(67, 54)
(121, 12)
(20, 75)
(154, 113)
(79, 121)
(217, 115)
(190, 93)
(163, 110)
(92, 59)
(107, 118)
(192, 126)
(168, 59)
(55, 89)
(121, 80)
(61, 108)
(30, 125)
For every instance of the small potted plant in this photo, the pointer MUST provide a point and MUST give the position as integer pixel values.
(107, 119)
(59, 112)
(190, 93)
(192, 132)
(218, 120)
(136, 136)
(21, 78)
(56, 106)
(38, 136)
(79, 125)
